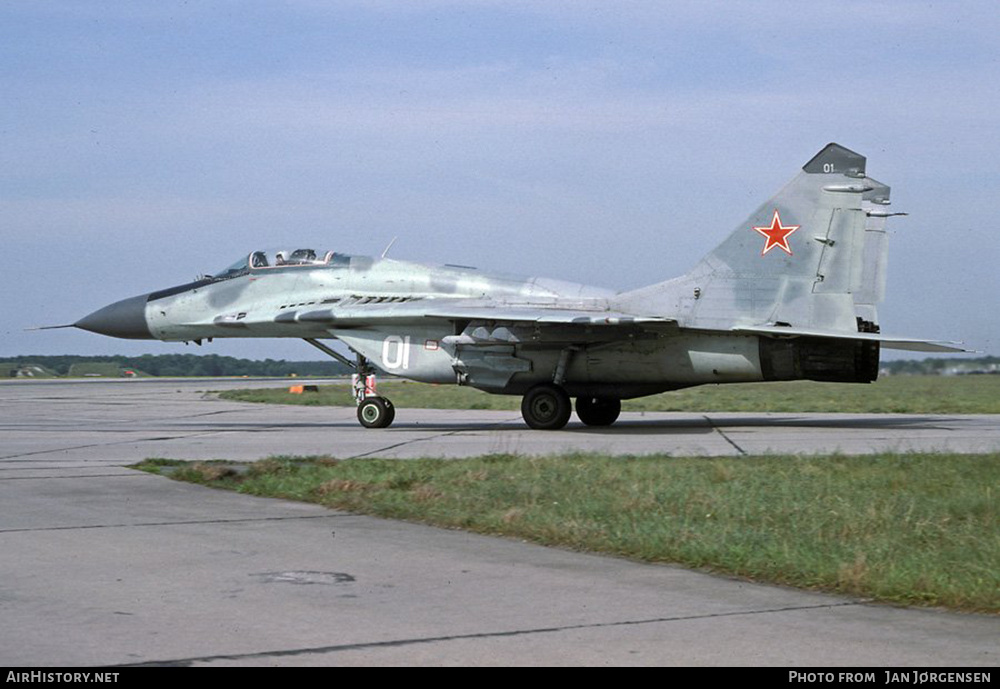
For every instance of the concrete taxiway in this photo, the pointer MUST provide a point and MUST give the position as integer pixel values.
(101, 565)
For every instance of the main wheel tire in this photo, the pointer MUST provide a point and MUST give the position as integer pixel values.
(376, 412)
(546, 407)
(598, 411)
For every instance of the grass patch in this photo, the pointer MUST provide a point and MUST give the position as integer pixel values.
(915, 529)
(892, 394)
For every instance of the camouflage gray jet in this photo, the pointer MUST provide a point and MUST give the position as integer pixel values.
(790, 294)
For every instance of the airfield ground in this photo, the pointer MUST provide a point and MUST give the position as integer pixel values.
(105, 565)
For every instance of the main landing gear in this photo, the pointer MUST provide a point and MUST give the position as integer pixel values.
(547, 407)
(598, 411)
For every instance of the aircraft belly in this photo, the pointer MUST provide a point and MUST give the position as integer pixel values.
(416, 353)
(641, 367)
(688, 359)
(658, 364)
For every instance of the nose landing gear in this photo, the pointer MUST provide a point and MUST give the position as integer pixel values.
(373, 411)
(376, 412)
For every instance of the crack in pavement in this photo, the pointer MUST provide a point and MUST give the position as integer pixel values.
(396, 643)
(436, 436)
(333, 515)
(724, 436)
(137, 440)
(73, 477)
(45, 424)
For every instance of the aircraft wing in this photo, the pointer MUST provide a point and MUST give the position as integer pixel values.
(375, 313)
(886, 341)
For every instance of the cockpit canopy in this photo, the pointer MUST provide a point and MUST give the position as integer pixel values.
(282, 258)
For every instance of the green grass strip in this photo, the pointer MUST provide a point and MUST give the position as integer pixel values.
(915, 529)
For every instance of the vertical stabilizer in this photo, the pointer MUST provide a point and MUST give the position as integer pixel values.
(810, 257)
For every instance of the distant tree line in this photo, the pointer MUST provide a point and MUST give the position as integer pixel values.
(180, 365)
(932, 367)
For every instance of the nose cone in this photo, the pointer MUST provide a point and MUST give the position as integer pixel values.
(125, 318)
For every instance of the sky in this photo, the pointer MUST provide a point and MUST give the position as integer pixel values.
(608, 143)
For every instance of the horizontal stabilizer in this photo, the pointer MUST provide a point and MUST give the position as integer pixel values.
(886, 341)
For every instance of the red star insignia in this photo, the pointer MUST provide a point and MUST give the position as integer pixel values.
(777, 234)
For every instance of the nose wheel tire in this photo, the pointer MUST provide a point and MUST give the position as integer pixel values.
(598, 411)
(376, 412)
(546, 407)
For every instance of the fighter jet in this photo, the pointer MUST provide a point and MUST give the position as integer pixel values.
(790, 294)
